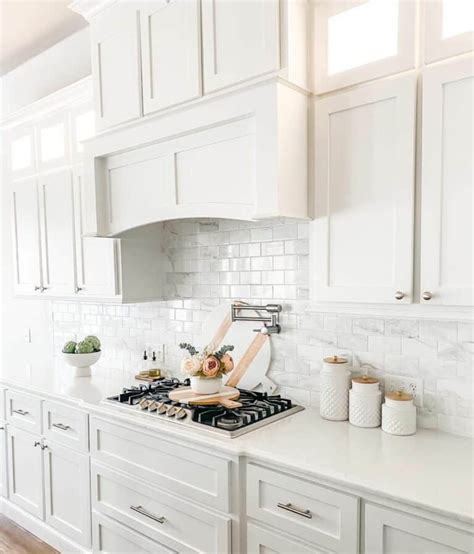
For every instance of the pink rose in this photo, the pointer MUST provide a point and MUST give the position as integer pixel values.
(190, 366)
(228, 363)
(211, 366)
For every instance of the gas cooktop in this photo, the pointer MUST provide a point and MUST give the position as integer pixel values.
(258, 408)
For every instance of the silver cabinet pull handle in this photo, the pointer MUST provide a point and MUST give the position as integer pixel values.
(290, 508)
(142, 511)
(399, 295)
(20, 412)
(427, 295)
(61, 426)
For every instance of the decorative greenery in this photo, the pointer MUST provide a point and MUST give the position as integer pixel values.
(86, 346)
(207, 364)
(189, 347)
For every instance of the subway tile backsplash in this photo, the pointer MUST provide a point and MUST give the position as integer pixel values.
(214, 261)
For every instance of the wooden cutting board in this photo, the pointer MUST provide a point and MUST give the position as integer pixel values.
(226, 397)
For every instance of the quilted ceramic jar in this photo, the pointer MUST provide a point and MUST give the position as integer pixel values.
(335, 384)
(365, 399)
(399, 414)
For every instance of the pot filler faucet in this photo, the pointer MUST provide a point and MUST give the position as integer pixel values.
(269, 315)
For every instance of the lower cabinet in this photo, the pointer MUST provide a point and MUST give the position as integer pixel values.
(391, 532)
(3, 460)
(67, 492)
(262, 541)
(25, 471)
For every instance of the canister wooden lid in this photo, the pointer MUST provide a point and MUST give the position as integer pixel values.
(399, 395)
(365, 380)
(335, 360)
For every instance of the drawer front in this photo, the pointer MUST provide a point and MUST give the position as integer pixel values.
(263, 541)
(182, 470)
(23, 411)
(161, 516)
(314, 513)
(65, 425)
(111, 537)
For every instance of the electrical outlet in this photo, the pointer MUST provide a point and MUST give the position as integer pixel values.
(158, 349)
(410, 385)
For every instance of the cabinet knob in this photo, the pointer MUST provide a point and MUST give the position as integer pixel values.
(78, 289)
(399, 295)
(427, 295)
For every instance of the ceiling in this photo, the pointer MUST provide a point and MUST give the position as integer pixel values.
(27, 28)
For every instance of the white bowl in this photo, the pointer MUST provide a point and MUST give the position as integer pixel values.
(202, 385)
(82, 362)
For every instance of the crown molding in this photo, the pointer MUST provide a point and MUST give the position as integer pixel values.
(76, 93)
(89, 8)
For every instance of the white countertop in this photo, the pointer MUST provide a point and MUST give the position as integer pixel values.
(431, 470)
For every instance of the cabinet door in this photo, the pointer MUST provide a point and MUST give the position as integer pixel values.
(96, 256)
(26, 236)
(67, 492)
(449, 28)
(262, 541)
(54, 142)
(115, 59)
(3, 460)
(25, 471)
(447, 184)
(391, 532)
(57, 210)
(360, 40)
(22, 151)
(364, 196)
(240, 40)
(171, 52)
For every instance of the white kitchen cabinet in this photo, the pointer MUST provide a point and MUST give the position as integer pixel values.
(26, 236)
(115, 59)
(262, 541)
(364, 194)
(67, 492)
(361, 40)
(22, 151)
(240, 40)
(57, 232)
(3, 460)
(171, 52)
(82, 128)
(25, 471)
(54, 144)
(391, 532)
(449, 28)
(447, 184)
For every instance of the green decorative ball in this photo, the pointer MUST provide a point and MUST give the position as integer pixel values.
(84, 347)
(70, 347)
(94, 341)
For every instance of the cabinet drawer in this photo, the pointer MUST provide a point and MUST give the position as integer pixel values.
(161, 516)
(65, 425)
(312, 512)
(111, 537)
(200, 477)
(23, 411)
(263, 541)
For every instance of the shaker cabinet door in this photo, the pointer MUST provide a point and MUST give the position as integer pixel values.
(364, 194)
(26, 236)
(115, 58)
(3, 460)
(57, 210)
(390, 532)
(240, 40)
(171, 52)
(447, 184)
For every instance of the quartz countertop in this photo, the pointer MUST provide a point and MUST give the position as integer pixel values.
(430, 470)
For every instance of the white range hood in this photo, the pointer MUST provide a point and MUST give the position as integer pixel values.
(238, 155)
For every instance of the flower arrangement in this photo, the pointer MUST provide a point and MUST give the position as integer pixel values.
(209, 363)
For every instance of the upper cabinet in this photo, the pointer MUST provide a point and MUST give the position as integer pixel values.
(116, 67)
(364, 193)
(240, 40)
(449, 28)
(53, 141)
(360, 40)
(22, 151)
(447, 215)
(171, 52)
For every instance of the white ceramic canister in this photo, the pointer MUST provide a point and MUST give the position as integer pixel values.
(365, 400)
(399, 414)
(335, 384)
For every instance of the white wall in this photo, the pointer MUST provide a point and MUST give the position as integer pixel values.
(64, 63)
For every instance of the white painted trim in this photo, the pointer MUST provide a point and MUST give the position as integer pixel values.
(89, 8)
